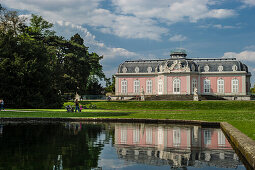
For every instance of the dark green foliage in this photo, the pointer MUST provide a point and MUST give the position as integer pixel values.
(36, 66)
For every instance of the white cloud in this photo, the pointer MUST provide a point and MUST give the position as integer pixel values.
(249, 2)
(178, 38)
(128, 19)
(244, 55)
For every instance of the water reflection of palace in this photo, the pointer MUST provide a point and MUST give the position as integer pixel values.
(177, 146)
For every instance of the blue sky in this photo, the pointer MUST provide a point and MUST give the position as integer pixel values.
(147, 29)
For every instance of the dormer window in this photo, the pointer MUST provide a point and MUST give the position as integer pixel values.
(206, 68)
(149, 69)
(193, 68)
(234, 68)
(137, 69)
(220, 68)
(124, 69)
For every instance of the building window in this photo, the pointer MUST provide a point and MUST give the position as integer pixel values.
(234, 68)
(148, 135)
(235, 85)
(136, 135)
(194, 85)
(220, 86)
(149, 69)
(137, 69)
(206, 68)
(207, 137)
(221, 138)
(177, 86)
(123, 135)
(176, 137)
(137, 86)
(220, 68)
(160, 86)
(207, 86)
(124, 70)
(124, 86)
(160, 136)
(149, 86)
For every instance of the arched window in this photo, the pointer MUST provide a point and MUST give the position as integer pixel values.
(137, 86)
(220, 86)
(235, 85)
(124, 86)
(160, 86)
(149, 86)
(193, 85)
(207, 86)
(177, 86)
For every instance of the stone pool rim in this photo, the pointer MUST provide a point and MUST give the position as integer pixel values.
(244, 144)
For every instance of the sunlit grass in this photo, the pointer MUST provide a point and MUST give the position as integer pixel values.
(240, 114)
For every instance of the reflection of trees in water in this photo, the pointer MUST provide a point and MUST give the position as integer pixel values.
(44, 146)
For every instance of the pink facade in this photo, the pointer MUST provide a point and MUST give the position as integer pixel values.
(161, 137)
(180, 76)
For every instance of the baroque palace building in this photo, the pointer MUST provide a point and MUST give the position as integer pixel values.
(226, 78)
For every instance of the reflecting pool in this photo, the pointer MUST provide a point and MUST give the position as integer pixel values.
(86, 145)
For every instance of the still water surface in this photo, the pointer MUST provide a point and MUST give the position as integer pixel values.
(114, 146)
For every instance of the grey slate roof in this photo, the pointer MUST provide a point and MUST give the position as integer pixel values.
(199, 64)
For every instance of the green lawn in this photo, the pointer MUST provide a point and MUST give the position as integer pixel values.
(240, 114)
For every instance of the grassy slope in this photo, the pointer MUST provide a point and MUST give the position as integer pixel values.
(241, 114)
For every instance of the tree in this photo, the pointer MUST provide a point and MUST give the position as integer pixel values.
(36, 66)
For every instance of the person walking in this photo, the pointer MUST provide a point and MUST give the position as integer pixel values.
(77, 105)
(2, 104)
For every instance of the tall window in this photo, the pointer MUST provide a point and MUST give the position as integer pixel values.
(136, 86)
(221, 138)
(194, 84)
(160, 86)
(220, 86)
(235, 86)
(136, 135)
(177, 86)
(148, 135)
(124, 86)
(123, 135)
(207, 137)
(176, 137)
(149, 86)
(207, 86)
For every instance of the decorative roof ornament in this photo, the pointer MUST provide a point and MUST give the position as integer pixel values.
(124, 69)
(206, 68)
(149, 69)
(220, 68)
(137, 69)
(234, 68)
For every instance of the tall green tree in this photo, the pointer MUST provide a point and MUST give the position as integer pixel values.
(36, 66)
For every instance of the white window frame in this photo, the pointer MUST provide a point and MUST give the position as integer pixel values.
(221, 138)
(160, 86)
(123, 135)
(177, 86)
(136, 86)
(235, 85)
(148, 135)
(177, 137)
(136, 135)
(124, 86)
(149, 86)
(207, 86)
(207, 137)
(193, 85)
(220, 86)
